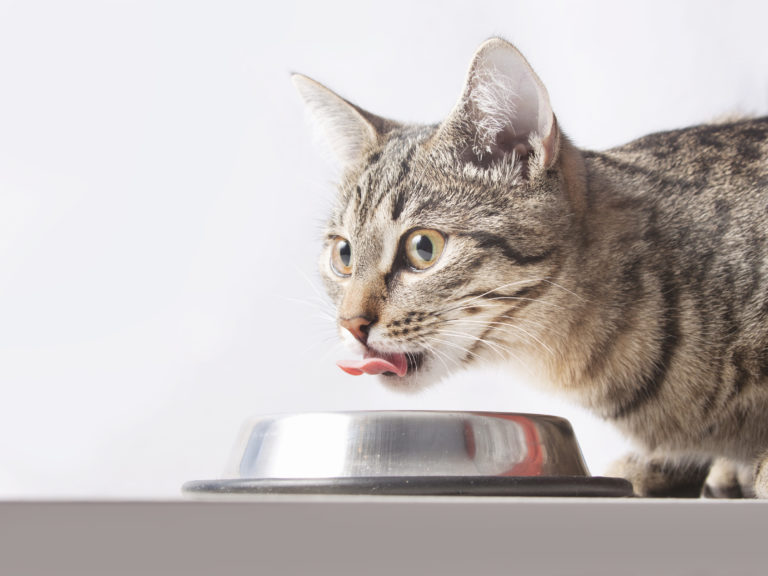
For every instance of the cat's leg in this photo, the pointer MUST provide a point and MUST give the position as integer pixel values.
(747, 481)
(761, 476)
(728, 479)
(661, 477)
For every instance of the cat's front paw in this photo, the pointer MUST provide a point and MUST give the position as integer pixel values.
(727, 479)
(661, 477)
(761, 476)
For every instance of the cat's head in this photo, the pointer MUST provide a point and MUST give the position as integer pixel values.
(445, 239)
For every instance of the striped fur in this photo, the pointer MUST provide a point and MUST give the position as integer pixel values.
(633, 280)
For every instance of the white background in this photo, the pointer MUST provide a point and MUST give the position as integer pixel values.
(161, 201)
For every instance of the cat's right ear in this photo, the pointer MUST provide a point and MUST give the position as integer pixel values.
(504, 110)
(349, 130)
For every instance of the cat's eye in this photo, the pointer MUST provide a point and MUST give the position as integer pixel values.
(341, 256)
(423, 247)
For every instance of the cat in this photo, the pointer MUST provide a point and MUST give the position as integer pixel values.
(634, 280)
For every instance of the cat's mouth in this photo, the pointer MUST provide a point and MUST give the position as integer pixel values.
(387, 364)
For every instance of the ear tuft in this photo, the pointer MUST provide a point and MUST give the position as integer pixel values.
(349, 130)
(506, 107)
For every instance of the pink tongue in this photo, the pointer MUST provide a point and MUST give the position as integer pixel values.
(376, 363)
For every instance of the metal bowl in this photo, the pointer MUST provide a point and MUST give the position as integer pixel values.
(410, 452)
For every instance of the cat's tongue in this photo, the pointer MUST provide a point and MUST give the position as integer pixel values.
(376, 363)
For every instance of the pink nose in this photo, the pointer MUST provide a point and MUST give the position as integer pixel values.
(358, 327)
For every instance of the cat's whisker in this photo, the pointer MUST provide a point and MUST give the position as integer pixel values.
(503, 324)
(506, 349)
(472, 301)
(473, 298)
(493, 346)
(318, 292)
(330, 342)
(545, 327)
(460, 288)
(468, 302)
(313, 300)
(571, 292)
(487, 304)
(337, 348)
(537, 300)
(533, 337)
(439, 354)
(319, 305)
(554, 330)
(442, 355)
(458, 347)
(323, 316)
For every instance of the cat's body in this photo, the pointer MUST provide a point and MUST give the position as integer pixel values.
(634, 280)
(678, 223)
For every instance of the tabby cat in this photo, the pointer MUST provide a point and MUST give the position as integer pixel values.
(633, 280)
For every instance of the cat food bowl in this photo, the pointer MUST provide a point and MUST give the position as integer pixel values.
(409, 452)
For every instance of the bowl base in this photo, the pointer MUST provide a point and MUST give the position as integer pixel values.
(548, 486)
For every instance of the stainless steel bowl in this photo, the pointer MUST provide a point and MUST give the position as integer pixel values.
(352, 444)
(400, 452)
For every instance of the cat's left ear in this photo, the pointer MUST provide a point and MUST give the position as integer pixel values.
(504, 108)
(348, 129)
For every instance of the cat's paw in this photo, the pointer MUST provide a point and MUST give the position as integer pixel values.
(727, 479)
(761, 476)
(661, 477)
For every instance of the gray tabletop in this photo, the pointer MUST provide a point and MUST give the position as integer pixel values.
(385, 535)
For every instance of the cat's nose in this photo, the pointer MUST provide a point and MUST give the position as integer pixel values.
(358, 327)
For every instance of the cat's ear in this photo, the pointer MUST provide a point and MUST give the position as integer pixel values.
(348, 129)
(504, 108)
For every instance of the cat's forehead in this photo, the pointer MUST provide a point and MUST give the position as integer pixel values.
(379, 192)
